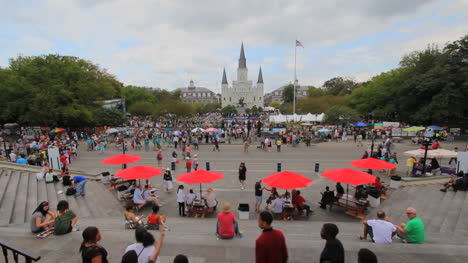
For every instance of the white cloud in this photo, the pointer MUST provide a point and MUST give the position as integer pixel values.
(164, 43)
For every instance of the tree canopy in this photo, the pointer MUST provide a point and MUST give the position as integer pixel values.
(54, 90)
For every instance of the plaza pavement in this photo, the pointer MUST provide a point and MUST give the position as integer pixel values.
(194, 237)
(260, 164)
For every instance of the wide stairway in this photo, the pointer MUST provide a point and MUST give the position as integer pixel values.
(445, 216)
(21, 193)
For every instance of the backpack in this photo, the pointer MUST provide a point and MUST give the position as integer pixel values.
(70, 191)
(66, 180)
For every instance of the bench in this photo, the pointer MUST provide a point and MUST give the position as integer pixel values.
(352, 204)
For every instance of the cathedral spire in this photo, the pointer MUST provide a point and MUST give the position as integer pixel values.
(242, 61)
(260, 76)
(224, 77)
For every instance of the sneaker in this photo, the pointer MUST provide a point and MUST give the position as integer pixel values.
(443, 190)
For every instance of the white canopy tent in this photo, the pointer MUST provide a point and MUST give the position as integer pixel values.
(297, 118)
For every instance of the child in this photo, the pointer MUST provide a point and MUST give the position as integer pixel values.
(154, 219)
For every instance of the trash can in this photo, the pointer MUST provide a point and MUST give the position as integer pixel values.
(373, 202)
(244, 211)
(105, 177)
(395, 181)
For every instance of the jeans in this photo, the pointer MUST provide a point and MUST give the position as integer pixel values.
(80, 188)
(236, 229)
(307, 208)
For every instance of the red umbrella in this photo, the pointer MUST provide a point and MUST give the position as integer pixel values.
(121, 159)
(349, 176)
(199, 177)
(138, 172)
(287, 180)
(372, 163)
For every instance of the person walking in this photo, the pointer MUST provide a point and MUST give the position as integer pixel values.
(159, 157)
(242, 174)
(333, 252)
(278, 144)
(270, 246)
(258, 194)
(195, 162)
(188, 164)
(167, 178)
(246, 146)
(181, 198)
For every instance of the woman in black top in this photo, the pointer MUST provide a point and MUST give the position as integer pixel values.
(242, 174)
(91, 251)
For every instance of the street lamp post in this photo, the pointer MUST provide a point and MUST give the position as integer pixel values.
(426, 144)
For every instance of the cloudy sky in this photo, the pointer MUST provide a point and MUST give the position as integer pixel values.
(166, 43)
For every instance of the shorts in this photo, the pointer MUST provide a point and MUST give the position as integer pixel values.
(409, 168)
(258, 199)
(139, 202)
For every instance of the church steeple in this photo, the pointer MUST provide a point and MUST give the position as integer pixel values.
(242, 61)
(224, 77)
(260, 76)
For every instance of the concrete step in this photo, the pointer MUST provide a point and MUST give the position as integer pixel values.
(450, 221)
(19, 213)
(8, 202)
(435, 221)
(4, 181)
(461, 226)
(195, 238)
(32, 202)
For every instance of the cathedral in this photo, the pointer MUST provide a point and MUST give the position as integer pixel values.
(242, 94)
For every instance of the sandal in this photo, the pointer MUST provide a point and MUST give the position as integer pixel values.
(361, 237)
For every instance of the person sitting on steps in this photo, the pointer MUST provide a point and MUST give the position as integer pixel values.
(42, 218)
(65, 220)
(154, 219)
(132, 221)
(227, 226)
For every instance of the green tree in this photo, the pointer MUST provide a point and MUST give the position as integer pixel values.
(314, 92)
(317, 105)
(230, 109)
(379, 96)
(340, 115)
(111, 117)
(141, 108)
(288, 93)
(275, 104)
(340, 86)
(54, 90)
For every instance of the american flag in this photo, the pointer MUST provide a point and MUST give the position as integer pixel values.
(299, 44)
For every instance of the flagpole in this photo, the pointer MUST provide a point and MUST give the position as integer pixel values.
(295, 77)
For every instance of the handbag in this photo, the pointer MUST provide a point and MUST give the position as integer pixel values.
(70, 191)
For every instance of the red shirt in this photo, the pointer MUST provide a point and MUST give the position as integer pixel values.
(188, 164)
(298, 200)
(378, 185)
(153, 219)
(270, 247)
(63, 159)
(226, 224)
(435, 145)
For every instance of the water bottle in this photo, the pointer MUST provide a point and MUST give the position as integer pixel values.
(165, 226)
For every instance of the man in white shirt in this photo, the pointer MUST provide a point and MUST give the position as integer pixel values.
(380, 230)
(277, 205)
(12, 157)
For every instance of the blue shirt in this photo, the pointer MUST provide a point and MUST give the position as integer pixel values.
(78, 178)
(21, 161)
(136, 195)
